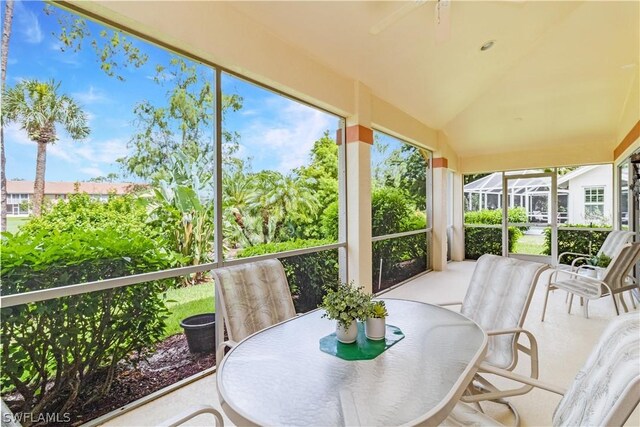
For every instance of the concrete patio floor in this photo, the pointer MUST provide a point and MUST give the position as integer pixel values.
(564, 340)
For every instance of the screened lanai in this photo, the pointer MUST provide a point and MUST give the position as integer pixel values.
(531, 193)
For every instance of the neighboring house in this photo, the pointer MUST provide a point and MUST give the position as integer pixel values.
(585, 195)
(19, 193)
(590, 194)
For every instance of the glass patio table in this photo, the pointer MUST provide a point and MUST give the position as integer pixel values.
(279, 376)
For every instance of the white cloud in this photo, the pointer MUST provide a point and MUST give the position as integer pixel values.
(28, 24)
(59, 150)
(162, 77)
(90, 117)
(92, 171)
(90, 96)
(73, 152)
(69, 58)
(13, 133)
(99, 152)
(289, 136)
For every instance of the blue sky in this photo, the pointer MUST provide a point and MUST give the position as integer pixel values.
(276, 133)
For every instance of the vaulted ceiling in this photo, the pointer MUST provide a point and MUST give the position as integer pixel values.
(560, 86)
(560, 72)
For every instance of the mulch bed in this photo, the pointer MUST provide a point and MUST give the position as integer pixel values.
(406, 270)
(170, 363)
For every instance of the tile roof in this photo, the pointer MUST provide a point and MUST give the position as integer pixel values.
(53, 187)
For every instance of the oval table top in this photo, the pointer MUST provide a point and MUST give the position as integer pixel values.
(279, 376)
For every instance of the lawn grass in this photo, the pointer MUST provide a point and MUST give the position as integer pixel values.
(530, 244)
(14, 223)
(185, 302)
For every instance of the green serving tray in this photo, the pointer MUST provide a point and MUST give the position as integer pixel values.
(363, 348)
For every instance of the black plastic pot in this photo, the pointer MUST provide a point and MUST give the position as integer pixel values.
(200, 331)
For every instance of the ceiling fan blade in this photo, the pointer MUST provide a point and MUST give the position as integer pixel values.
(390, 19)
(443, 20)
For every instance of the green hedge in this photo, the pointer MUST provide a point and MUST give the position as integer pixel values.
(481, 240)
(584, 241)
(494, 216)
(53, 350)
(392, 212)
(307, 274)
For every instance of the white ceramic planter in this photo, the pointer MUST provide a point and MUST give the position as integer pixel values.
(348, 335)
(375, 329)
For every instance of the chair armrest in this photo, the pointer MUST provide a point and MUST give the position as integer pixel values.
(447, 304)
(522, 379)
(192, 413)
(494, 393)
(571, 253)
(221, 348)
(577, 275)
(573, 263)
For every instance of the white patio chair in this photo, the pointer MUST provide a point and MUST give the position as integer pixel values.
(604, 392)
(610, 247)
(7, 417)
(498, 299)
(192, 413)
(252, 296)
(615, 280)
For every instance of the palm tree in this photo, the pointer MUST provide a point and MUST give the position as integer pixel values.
(38, 107)
(6, 35)
(277, 198)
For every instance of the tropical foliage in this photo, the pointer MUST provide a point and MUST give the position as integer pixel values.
(52, 350)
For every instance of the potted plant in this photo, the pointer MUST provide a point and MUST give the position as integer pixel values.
(601, 261)
(375, 326)
(596, 265)
(345, 304)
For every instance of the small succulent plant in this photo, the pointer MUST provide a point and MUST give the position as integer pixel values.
(377, 310)
(599, 261)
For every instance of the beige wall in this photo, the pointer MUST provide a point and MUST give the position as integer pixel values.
(631, 112)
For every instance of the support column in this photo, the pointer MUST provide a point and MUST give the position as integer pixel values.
(359, 138)
(457, 245)
(439, 225)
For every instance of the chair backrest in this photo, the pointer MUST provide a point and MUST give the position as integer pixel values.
(616, 273)
(498, 297)
(614, 241)
(253, 296)
(607, 388)
(8, 418)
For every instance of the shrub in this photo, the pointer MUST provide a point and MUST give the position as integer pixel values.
(481, 240)
(307, 274)
(329, 222)
(80, 211)
(392, 212)
(494, 216)
(53, 350)
(583, 241)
